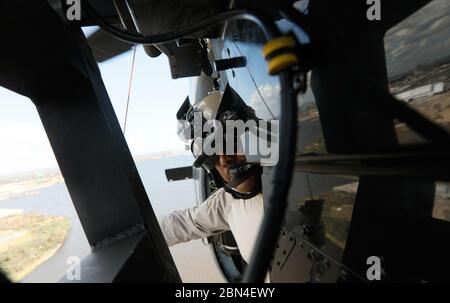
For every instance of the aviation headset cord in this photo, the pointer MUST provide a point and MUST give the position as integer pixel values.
(282, 176)
(130, 82)
(267, 26)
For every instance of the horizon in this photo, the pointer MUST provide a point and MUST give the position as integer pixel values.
(151, 125)
(137, 158)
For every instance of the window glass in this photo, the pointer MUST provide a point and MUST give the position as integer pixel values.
(418, 64)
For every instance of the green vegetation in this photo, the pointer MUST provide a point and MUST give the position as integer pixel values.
(29, 240)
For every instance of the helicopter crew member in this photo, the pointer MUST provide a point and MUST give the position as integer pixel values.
(238, 203)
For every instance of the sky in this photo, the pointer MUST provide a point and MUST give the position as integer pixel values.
(151, 125)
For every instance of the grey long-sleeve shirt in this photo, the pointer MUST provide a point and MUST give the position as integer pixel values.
(219, 213)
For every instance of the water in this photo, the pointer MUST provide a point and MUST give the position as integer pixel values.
(194, 260)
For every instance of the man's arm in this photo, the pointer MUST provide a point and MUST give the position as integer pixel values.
(198, 222)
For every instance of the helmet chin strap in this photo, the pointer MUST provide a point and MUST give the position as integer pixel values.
(239, 174)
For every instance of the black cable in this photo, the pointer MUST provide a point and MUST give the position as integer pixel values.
(426, 128)
(268, 27)
(276, 205)
(282, 176)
